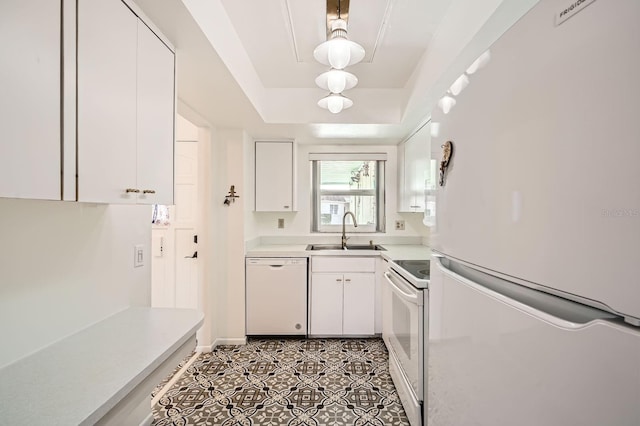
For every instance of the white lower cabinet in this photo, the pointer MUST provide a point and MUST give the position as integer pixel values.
(342, 296)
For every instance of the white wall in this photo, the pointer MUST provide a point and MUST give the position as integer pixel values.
(223, 290)
(251, 226)
(299, 223)
(64, 266)
(467, 30)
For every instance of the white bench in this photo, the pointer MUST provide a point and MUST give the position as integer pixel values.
(103, 374)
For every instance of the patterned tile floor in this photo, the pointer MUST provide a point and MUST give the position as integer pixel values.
(275, 382)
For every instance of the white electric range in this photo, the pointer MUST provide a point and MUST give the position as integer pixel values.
(405, 309)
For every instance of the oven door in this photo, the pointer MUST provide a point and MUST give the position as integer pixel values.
(403, 329)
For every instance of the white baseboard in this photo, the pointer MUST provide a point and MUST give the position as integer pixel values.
(204, 348)
(221, 341)
(230, 341)
(174, 379)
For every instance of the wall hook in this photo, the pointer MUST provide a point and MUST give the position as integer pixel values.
(231, 197)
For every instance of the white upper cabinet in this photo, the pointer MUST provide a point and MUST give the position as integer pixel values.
(275, 176)
(30, 151)
(125, 108)
(155, 118)
(107, 56)
(414, 172)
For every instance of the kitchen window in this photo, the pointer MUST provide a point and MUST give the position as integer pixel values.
(348, 182)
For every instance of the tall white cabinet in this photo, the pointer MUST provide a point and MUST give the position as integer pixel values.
(414, 170)
(155, 118)
(30, 131)
(113, 82)
(125, 108)
(107, 57)
(275, 176)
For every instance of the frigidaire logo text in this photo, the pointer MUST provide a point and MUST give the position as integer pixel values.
(570, 8)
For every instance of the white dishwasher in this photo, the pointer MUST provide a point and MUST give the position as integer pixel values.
(276, 296)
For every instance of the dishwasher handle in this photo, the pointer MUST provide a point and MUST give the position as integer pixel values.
(276, 263)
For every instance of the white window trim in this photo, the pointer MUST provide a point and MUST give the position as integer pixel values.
(379, 192)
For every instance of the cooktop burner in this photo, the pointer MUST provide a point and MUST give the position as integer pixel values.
(417, 268)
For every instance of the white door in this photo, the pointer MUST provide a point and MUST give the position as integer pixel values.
(174, 268)
(155, 108)
(30, 100)
(107, 58)
(274, 176)
(405, 329)
(496, 360)
(359, 303)
(326, 304)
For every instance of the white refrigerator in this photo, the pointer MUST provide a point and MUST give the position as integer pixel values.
(534, 299)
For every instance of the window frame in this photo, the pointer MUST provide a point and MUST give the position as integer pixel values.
(378, 192)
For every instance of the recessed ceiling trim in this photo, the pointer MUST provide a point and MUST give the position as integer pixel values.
(292, 36)
(383, 29)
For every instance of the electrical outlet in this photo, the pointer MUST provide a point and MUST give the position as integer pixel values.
(138, 255)
(280, 223)
(399, 225)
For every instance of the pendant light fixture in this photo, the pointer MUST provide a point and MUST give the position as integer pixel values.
(446, 103)
(338, 52)
(335, 102)
(336, 81)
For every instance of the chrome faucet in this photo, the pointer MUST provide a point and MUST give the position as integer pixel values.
(344, 233)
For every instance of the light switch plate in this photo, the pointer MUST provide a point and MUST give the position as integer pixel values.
(280, 223)
(399, 225)
(138, 255)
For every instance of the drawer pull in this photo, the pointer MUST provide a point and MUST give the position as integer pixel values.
(130, 190)
(149, 191)
(348, 280)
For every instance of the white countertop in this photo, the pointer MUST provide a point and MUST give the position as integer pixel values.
(80, 378)
(393, 251)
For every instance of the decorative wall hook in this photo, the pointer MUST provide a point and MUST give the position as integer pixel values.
(231, 197)
(447, 153)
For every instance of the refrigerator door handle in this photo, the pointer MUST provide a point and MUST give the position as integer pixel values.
(551, 309)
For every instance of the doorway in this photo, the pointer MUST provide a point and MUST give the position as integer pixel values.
(174, 261)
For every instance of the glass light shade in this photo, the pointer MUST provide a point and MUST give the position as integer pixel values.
(479, 63)
(446, 103)
(458, 86)
(335, 103)
(336, 81)
(339, 52)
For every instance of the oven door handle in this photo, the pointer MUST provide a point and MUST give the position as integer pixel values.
(411, 298)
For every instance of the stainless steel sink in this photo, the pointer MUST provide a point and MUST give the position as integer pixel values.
(349, 247)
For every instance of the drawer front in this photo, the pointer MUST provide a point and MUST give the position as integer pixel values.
(343, 264)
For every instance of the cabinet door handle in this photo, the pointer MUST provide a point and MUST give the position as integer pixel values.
(286, 207)
(338, 279)
(415, 207)
(149, 191)
(348, 280)
(134, 190)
